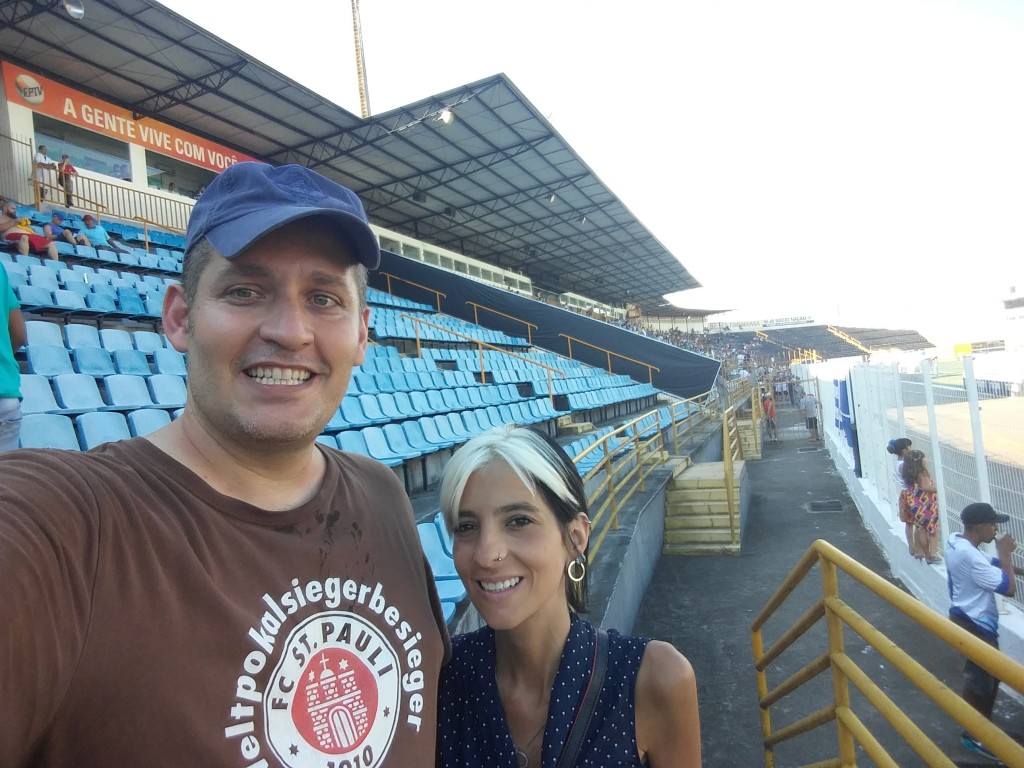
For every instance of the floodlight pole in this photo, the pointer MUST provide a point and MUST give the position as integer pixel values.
(357, 33)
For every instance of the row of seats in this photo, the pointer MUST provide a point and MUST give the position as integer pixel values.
(88, 430)
(126, 303)
(75, 393)
(383, 299)
(394, 444)
(51, 361)
(366, 410)
(54, 274)
(76, 335)
(389, 323)
(169, 242)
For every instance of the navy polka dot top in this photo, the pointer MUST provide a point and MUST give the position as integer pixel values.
(471, 722)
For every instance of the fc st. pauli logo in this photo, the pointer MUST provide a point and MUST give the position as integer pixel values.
(333, 699)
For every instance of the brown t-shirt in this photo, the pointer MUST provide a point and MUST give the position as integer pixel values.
(152, 621)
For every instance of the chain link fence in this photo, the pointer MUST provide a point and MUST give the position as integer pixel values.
(972, 439)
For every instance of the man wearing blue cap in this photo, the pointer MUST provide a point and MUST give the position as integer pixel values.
(974, 581)
(231, 592)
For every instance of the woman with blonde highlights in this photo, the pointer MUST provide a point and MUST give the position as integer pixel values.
(540, 686)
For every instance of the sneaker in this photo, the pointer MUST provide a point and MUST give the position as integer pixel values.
(977, 747)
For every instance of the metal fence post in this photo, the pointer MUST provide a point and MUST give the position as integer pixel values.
(974, 407)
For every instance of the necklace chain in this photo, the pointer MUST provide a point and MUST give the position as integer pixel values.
(522, 760)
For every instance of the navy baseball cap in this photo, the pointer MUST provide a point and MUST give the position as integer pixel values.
(250, 200)
(980, 512)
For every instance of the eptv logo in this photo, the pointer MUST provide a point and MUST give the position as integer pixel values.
(29, 88)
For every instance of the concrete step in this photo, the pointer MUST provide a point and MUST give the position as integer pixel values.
(698, 536)
(701, 550)
(685, 495)
(696, 519)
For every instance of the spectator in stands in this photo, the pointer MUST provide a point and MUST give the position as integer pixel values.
(809, 405)
(924, 504)
(199, 578)
(66, 174)
(768, 403)
(172, 187)
(44, 168)
(12, 336)
(899, 448)
(974, 580)
(96, 236)
(18, 230)
(516, 506)
(56, 230)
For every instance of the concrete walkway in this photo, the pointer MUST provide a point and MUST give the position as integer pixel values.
(704, 606)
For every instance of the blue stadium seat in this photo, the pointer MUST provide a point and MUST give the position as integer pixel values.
(68, 302)
(444, 534)
(92, 361)
(41, 277)
(397, 441)
(113, 339)
(441, 428)
(32, 298)
(37, 395)
(377, 447)
(78, 335)
(48, 360)
(352, 442)
(127, 393)
(43, 333)
(168, 390)
(78, 393)
(371, 409)
(441, 563)
(351, 414)
(130, 304)
(386, 403)
(148, 341)
(131, 362)
(100, 304)
(99, 427)
(169, 360)
(413, 432)
(457, 425)
(48, 430)
(146, 420)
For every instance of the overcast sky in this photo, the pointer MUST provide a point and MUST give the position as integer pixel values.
(858, 160)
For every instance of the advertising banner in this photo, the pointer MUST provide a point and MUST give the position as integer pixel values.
(48, 97)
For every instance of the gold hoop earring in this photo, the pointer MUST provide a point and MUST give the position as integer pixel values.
(581, 564)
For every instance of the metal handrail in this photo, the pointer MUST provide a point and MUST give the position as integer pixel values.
(438, 295)
(480, 346)
(529, 326)
(621, 487)
(732, 450)
(850, 730)
(650, 368)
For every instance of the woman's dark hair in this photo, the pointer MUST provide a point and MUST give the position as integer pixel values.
(913, 467)
(898, 446)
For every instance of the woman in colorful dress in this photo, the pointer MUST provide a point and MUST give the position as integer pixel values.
(899, 448)
(924, 504)
(539, 686)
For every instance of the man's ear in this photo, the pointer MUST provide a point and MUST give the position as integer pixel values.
(175, 317)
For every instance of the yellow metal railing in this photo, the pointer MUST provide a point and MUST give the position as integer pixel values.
(688, 416)
(732, 451)
(438, 295)
(619, 482)
(851, 731)
(529, 326)
(650, 368)
(480, 348)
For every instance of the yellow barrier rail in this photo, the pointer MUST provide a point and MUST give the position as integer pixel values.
(850, 729)
(480, 348)
(732, 451)
(146, 224)
(438, 295)
(689, 415)
(619, 481)
(529, 326)
(650, 368)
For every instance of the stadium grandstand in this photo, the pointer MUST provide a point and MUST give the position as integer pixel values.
(514, 286)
